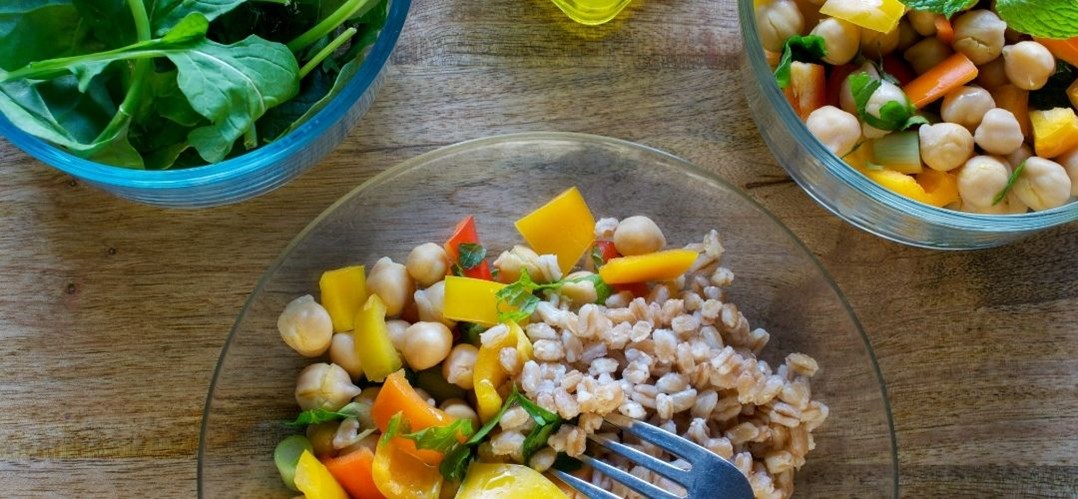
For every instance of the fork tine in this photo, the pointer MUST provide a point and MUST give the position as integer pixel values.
(643, 459)
(587, 488)
(658, 436)
(627, 479)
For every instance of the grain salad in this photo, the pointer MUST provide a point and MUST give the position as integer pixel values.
(460, 374)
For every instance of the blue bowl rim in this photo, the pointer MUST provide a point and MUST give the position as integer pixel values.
(838, 168)
(261, 158)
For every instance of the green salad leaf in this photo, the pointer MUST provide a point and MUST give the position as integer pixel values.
(521, 294)
(1044, 18)
(34, 30)
(892, 116)
(319, 416)
(441, 438)
(808, 48)
(945, 7)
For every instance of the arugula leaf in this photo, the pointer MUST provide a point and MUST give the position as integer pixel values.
(945, 7)
(441, 438)
(1010, 184)
(892, 115)
(808, 48)
(319, 416)
(471, 255)
(1043, 18)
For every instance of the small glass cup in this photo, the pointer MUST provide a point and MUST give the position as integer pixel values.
(591, 12)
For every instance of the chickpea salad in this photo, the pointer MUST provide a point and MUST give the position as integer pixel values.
(963, 104)
(457, 375)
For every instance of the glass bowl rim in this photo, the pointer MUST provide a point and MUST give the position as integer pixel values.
(258, 159)
(853, 179)
(467, 145)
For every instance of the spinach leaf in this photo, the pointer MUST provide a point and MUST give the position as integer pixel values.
(165, 14)
(110, 21)
(33, 30)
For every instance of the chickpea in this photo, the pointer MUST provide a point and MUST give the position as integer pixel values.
(926, 54)
(1043, 184)
(306, 326)
(979, 35)
(966, 106)
(1070, 163)
(923, 22)
(342, 351)
(324, 386)
(945, 146)
(582, 291)
(845, 96)
(993, 75)
(426, 344)
(841, 39)
(1018, 156)
(906, 36)
(886, 93)
(369, 442)
(431, 303)
(459, 409)
(836, 129)
(321, 437)
(979, 180)
(391, 282)
(427, 264)
(509, 263)
(1028, 65)
(347, 434)
(999, 132)
(638, 235)
(425, 395)
(459, 365)
(875, 45)
(777, 21)
(397, 330)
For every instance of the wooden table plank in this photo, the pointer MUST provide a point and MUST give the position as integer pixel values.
(112, 314)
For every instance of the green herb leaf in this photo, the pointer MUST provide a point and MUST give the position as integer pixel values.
(1044, 18)
(455, 463)
(441, 438)
(396, 426)
(470, 332)
(1054, 93)
(945, 7)
(809, 48)
(471, 255)
(34, 30)
(1010, 184)
(520, 295)
(597, 257)
(319, 416)
(892, 115)
(168, 13)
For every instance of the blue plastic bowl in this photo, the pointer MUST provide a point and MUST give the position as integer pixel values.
(246, 176)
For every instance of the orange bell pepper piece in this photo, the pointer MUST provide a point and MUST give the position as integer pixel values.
(808, 88)
(354, 472)
(1055, 131)
(658, 266)
(400, 475)
(398, 396)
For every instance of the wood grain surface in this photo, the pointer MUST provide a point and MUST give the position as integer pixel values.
(112, 315)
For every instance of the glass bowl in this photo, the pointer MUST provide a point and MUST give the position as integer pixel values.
(779, 286)
(854, 197)
(246, 176)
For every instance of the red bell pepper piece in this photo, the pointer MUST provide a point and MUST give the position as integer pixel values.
(465, 233)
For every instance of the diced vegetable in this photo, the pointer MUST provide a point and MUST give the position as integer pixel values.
(354, 472)
(1072, 94)
(1016, 101)
(465, 233)
(944, 30)
(940, 184)
(400, 475)
(344, 291)
(808, 88)
(373, 345)
(286, 457)
(1062, 49)
(602, 252)
(1055, 131)
(941, 188)
(496, 481)
(315, 481)
(658, 266)
(564, 227)
(398, 396)
(948, 75)
(488, 374)
(471, 300)
(878, 15)
(899, 151)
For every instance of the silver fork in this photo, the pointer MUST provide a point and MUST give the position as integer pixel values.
(709, 475)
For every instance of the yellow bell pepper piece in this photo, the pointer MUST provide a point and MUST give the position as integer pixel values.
(930, 187)
(564, 227)
(373, 346)
(400, 475)
(473, 300)
(658, 266)
(315, 481)
(1055, 131)
(497, 481)
(876, 15)
(343, 293)
(488, 375)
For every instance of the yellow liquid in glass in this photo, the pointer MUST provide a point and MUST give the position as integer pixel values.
(591, 12)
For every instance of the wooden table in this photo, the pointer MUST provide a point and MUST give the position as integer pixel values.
(112, 315)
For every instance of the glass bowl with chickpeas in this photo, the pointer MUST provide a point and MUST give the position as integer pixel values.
(483, 296)
(953, 127)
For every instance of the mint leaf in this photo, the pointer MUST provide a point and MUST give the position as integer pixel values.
(471, 255)
(945, 7)
(809, 48)
(1010, 184)
(1044, 18)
